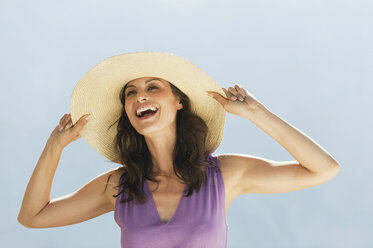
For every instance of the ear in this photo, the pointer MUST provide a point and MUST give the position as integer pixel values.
(180, 106)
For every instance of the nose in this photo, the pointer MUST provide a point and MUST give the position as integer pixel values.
(141, 98)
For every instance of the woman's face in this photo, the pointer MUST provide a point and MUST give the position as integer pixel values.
(155, 92)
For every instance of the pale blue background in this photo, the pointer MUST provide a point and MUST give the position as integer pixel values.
(309, 62)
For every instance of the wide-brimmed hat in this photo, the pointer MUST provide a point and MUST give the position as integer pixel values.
(98, 93)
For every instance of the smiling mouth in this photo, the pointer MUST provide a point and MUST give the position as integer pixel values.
(146, 114)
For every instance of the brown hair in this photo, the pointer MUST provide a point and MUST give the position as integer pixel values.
(189, 155)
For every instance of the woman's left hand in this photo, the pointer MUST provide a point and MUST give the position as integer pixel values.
(239, 101)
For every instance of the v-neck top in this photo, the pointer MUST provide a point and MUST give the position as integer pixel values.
(199, 220)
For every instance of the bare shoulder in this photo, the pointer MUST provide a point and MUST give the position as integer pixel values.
(230, 176)
(112, 180)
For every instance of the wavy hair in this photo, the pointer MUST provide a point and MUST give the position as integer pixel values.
(189, 155)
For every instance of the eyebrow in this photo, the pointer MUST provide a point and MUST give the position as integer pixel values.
(147, 81)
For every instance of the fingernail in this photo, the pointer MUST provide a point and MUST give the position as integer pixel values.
(210, 94)
(87, 117)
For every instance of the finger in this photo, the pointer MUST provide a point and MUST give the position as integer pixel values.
(234, 93)
(66, 120)
(241, 94)
(80, 123)
(240, 90)
(69, 124)
(218, 97)
(62, 118)
(233, 90)
(231, 96)
(227, 93)
(62, 121)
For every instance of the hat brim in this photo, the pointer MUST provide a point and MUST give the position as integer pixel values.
(97, 94)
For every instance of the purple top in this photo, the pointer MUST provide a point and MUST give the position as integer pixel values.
(199, 220)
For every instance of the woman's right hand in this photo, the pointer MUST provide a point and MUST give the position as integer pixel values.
(66, 132)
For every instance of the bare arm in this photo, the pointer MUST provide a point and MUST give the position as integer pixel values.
(37, 193)
(89, 201)
(38, 211)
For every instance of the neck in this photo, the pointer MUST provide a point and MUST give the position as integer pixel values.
(161, 146)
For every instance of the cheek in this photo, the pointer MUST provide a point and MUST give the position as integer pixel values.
(168, 113)
(128, 112)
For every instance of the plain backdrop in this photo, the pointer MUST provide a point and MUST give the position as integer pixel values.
(309, 62)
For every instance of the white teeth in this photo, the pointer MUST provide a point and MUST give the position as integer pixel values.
(138, 112)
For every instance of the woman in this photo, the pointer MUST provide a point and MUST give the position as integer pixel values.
(165, 138)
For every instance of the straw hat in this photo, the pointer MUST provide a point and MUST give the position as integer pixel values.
(97, 93)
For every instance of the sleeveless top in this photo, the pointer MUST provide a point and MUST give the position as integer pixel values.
(198, 222)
